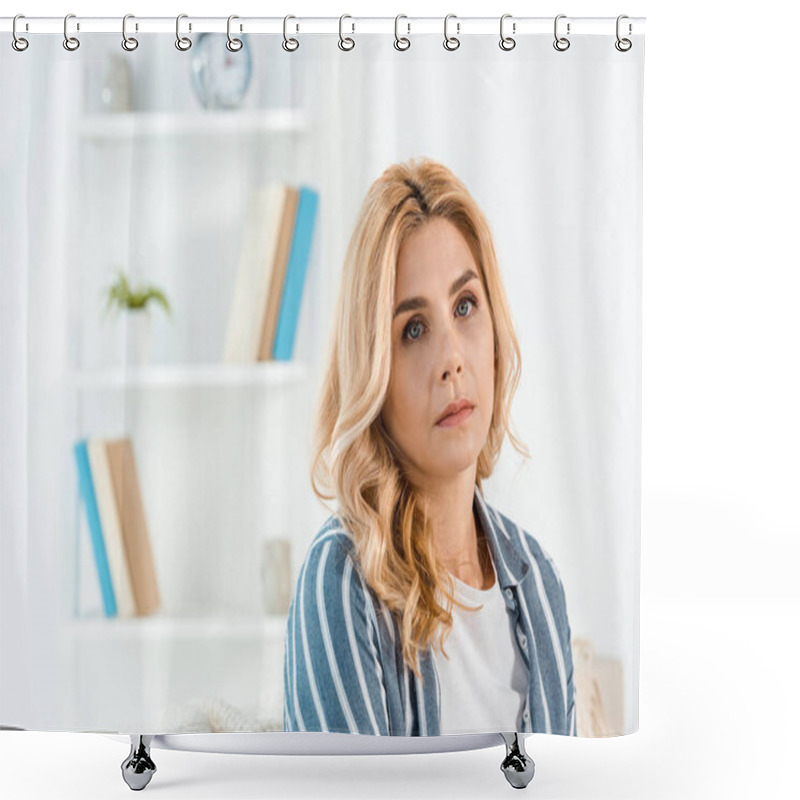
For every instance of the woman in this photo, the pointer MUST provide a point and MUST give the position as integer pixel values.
(422, 368)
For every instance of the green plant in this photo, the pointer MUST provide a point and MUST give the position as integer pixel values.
(121, 295)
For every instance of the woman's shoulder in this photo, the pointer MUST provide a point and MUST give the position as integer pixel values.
(330, 587)
(332, 549)
(333, 529)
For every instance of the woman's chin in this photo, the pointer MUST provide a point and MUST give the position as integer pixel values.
(452, 460)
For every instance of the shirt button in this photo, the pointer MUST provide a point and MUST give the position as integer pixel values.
(526, 715)
(523, 640)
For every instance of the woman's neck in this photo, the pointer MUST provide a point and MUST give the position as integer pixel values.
(478, 572)
(460, 543)
(463, 550)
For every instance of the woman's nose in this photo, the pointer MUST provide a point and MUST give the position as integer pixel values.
(452, 355)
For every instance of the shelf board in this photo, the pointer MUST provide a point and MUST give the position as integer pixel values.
(270, 627)
(130, 125)
(262, 373)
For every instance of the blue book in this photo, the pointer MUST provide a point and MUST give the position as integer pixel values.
(295, 274)
(95, 529)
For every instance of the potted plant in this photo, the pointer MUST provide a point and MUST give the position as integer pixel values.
(121, 296)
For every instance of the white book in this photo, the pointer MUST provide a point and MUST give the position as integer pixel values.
(112, 530)
(254, 272)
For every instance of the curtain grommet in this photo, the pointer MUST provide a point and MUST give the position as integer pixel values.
(346, 43)
(128, 42)
(401, 42)
(19, 43)
(507, 42)
(183, 43)
(289, 44)
(233, 44)
(561, 43)
(623, 45)
(70, 43)
(451, 42)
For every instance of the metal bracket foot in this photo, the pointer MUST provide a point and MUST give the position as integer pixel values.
(517, 766)
(138, 768)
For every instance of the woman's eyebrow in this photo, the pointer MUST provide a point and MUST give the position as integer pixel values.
(413, 303)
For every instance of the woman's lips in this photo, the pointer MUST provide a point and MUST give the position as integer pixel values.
(456, 419)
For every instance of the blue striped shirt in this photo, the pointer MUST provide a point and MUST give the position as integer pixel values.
(344, 670)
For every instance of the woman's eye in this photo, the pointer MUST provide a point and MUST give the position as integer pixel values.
(412, 326)
(465, 301)
(415, 328)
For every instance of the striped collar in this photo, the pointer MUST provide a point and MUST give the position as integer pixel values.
(510, 563)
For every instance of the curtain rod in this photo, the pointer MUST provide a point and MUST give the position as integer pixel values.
(461, 26)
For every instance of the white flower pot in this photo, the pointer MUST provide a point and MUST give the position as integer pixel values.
(137, 337)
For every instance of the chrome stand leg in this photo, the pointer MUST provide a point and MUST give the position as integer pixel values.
(517, 766)
(138, 768)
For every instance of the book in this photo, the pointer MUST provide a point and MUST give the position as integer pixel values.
(273, 268)
(111, 528)
(256, 258)
(295, 274)
(273, 304)
(135, 536)
(87, 492)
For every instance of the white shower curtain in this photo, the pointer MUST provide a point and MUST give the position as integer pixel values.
(110, 162)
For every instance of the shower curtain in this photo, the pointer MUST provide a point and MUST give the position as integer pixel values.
(175, 224)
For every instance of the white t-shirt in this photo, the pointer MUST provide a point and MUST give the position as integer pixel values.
(483, 681)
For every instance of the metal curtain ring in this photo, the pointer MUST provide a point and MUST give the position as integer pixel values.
(506, 42)
(346, 43)
(561, 43)
(451, 42)
(290, 45)
(233, 44)
(623, 45)
(401, 43)
(128, 42)
(70, 42)
(182, 42)
(18, 43)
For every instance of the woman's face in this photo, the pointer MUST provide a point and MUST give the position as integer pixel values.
(442, 352)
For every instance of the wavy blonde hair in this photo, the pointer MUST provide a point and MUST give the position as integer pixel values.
(355, 460)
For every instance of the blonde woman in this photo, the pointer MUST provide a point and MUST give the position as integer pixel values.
(420, 609)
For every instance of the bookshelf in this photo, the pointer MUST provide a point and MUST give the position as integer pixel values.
(215, 443)
(151, 124)
(266, 374)
(269, 626)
